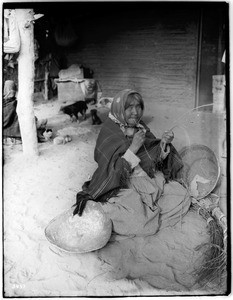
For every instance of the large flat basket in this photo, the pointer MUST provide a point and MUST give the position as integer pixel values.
(77, 234)
(201, 170)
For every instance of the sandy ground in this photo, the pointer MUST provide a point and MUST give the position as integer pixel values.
(34, 192)
(37, 190)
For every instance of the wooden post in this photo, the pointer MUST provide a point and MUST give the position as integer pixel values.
(26, 75)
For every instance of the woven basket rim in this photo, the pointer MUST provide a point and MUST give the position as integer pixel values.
(197, 147)
(209, 154)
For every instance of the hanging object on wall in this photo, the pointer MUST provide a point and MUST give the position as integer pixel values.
(11, 32)
(64, 34)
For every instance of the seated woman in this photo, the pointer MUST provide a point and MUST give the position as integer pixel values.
(156, 237)
(11, 128)
(136, 176)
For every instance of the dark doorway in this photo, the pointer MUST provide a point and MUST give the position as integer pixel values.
(211, 46)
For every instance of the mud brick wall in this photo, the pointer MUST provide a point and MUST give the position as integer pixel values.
(153, 52)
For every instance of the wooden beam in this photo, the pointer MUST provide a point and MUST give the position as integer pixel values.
(26, 76)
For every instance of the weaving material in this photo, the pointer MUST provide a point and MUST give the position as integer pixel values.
(80, 234)
(201, 170)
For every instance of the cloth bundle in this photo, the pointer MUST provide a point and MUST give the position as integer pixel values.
(73, 72)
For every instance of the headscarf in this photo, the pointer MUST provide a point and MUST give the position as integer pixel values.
(9, 89)
(117, 112)
(118, 105)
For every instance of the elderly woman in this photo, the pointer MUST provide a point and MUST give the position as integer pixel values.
(155, 237)
(136, 176)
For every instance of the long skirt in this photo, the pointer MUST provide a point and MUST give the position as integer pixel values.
(147, 206)
(155, 237)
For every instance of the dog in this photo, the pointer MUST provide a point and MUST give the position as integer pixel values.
(95, 119)
(74, 109)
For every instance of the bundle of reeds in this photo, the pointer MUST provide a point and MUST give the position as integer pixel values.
(213, 268)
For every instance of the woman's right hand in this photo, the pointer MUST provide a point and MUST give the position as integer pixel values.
(137, 142)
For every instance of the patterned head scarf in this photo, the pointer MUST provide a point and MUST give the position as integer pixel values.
(9, 89)
(118, 106)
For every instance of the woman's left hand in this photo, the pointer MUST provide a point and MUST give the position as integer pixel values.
(167, 137)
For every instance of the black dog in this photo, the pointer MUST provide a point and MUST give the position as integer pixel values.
(95, 119)
(73, 109)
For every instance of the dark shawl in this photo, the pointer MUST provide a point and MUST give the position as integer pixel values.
(113, 170)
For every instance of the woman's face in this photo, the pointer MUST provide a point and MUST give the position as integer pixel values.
(133, 112)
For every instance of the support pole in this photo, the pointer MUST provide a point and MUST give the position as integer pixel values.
(26, 75)
(197, 98)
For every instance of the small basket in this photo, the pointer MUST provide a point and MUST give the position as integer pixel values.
(77, 234)
(201, 170)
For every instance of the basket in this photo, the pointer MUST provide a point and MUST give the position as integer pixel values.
(83, 234)
(201, 170)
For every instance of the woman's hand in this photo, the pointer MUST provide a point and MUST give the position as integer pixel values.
(167, 138)
(137, 142)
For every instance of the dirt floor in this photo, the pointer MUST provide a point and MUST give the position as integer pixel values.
(37, 190)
